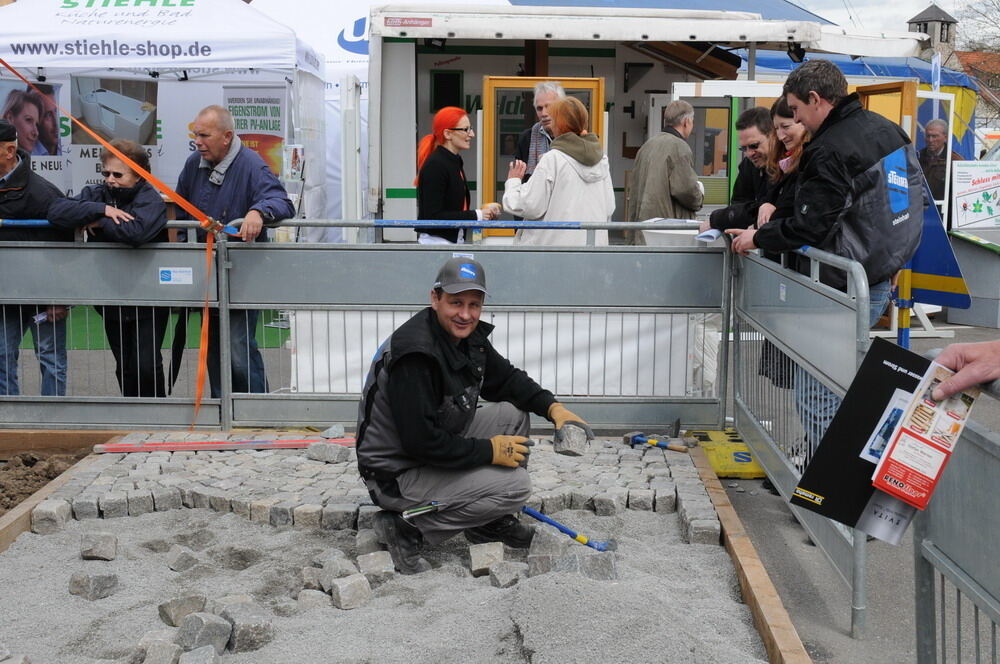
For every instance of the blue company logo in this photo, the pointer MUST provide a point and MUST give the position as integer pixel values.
(742, 457)
(357, 44)
(165, 275)
(467, 271)
(896, 180)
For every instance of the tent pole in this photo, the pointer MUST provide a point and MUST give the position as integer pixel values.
(374, 134)
(751, 61)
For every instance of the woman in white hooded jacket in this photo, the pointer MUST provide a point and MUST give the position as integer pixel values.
(572, 182)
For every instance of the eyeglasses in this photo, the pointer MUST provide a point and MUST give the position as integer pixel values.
(467, 130)
(116, 174)
(751, 146)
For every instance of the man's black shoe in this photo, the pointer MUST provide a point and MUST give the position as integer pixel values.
(506, 529)
(403, 541)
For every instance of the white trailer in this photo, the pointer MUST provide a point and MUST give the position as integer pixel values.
(423, 55)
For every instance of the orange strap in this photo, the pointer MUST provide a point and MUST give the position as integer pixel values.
(203, 219)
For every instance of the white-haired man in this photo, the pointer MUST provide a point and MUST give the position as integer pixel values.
(534, 142)
(228, 181)
(934, 157)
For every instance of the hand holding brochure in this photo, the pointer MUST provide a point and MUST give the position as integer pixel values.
(923, 441)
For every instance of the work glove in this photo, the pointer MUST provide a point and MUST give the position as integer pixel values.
(559, 415)
(510, 451)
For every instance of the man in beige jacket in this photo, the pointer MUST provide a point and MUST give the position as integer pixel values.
(663, 182)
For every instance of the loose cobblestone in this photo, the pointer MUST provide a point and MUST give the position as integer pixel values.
(292, 487)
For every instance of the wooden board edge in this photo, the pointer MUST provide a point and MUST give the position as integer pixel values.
(781, 640)
(18, 520)
(56, 440)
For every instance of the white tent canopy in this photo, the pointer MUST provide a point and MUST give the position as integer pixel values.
(156, 63)
(503, 21)
(149, 33)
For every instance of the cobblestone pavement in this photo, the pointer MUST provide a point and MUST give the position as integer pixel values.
(320, 487)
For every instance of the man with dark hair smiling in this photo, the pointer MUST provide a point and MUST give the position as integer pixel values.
(753, 130)
(424, 440)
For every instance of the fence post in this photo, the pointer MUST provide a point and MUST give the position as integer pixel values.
(225, 359)
(923, 595)
(726, 326)
(859, 587)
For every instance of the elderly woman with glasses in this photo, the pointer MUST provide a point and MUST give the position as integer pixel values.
(125, 208)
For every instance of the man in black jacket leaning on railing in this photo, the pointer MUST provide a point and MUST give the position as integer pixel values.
(27, 195)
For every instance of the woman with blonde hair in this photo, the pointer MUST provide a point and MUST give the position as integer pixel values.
(442, 192)
(572, 181)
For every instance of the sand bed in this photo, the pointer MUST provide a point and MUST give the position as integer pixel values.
(673, 602)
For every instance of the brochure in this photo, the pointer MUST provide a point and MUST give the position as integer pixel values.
(924, 440)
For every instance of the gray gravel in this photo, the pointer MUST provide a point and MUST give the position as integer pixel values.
(673, 602)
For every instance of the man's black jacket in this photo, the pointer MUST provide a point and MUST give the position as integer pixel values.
(27, 195)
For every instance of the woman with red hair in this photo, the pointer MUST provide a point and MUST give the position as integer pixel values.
(442, 192)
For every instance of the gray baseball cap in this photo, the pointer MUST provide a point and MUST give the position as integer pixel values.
(461, 274)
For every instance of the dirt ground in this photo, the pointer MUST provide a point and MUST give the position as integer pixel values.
(27, 472)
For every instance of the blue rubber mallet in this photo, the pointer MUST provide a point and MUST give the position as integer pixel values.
(610, 545)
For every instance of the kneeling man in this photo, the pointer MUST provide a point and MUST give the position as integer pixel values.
(423, 437)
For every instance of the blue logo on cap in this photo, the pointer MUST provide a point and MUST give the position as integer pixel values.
(896, 180)
(467, 271)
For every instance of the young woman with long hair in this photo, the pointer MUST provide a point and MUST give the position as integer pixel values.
(442, 192)
(788, 139)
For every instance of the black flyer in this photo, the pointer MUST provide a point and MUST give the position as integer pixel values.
(837, 483)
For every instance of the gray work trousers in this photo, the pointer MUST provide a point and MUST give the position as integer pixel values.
(472, 497)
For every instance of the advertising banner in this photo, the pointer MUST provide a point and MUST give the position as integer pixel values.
(39, 130)
(259, 114)
(114, 108)
(975, 194)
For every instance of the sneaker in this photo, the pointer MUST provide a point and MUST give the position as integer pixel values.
(506, 529)
(403, 541)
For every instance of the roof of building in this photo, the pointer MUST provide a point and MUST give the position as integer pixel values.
(774, 10)
(979, 61)
(778, 61)
(933, 13)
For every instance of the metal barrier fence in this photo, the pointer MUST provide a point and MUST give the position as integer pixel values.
(793, 334)
(955, 545)
(629, 335)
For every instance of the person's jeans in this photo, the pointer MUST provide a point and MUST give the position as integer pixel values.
(814, 402)
(247, 362)
(49, 341)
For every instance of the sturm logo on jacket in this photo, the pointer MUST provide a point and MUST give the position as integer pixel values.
(897, 180)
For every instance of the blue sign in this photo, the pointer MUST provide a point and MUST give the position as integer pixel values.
(357, 44)
(897, 180)
(936, 275)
